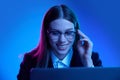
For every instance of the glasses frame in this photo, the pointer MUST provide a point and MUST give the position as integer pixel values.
(69, 35)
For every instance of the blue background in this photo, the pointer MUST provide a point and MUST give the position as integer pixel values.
(20, 23)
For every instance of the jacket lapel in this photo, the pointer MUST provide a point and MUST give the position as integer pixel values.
(50, 64)
(76, 61)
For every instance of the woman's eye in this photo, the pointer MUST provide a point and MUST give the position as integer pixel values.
(55, 33)
(69, 33)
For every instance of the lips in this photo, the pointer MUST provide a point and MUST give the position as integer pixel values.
(62, 47)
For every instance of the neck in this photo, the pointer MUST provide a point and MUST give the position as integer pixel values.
(60, 56)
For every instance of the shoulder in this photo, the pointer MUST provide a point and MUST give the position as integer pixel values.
(96, 60)
(29, 61)
(29, 57)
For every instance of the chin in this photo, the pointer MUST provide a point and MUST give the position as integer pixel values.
(60, 52)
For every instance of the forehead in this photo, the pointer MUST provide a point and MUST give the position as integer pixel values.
(61, 25)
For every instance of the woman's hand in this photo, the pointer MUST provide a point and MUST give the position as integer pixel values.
(85, 46)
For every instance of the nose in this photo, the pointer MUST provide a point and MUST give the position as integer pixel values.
(62, 38)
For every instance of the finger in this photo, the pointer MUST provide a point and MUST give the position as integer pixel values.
(81, 43)
(84, 42)
(81, 34)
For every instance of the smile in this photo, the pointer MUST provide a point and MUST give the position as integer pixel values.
(62, 47)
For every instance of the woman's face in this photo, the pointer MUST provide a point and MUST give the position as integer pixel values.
(61, 36)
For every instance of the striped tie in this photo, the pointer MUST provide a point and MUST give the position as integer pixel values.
(60, 64)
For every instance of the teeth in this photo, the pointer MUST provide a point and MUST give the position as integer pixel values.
(62, 46)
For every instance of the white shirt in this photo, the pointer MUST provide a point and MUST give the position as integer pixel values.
(65, 63)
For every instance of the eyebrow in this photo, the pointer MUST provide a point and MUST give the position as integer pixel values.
(66, 29)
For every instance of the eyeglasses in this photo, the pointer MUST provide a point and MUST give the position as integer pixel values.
(69, 35)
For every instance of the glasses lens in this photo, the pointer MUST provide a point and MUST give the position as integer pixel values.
(56, 34)
(70, 35)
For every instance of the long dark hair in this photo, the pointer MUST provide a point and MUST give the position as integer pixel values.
(59, 11)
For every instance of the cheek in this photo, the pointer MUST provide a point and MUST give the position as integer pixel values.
(72, 41)
(52, 43)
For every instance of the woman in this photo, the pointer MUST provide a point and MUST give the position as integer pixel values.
(62, 44)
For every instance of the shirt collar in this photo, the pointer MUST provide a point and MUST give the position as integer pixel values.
(65, 61)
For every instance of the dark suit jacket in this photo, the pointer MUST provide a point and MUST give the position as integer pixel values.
(30, 62)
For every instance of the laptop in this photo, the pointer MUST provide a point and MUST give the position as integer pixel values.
(97, 73)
